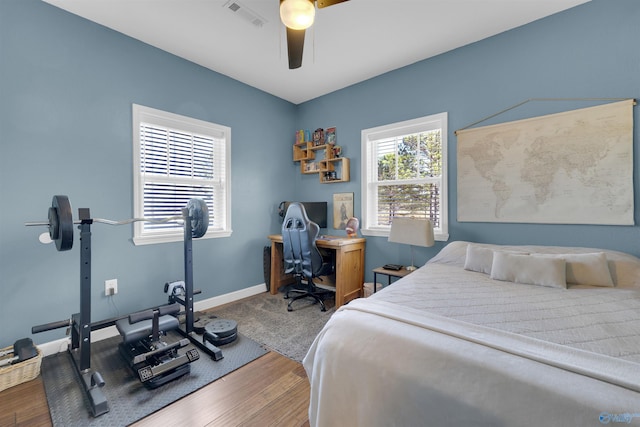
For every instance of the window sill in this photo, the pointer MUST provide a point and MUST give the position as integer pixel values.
(178, 237)
(440, 237)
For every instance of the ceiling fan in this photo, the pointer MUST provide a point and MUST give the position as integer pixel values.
(297, 16)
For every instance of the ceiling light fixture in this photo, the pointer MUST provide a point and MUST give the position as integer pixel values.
(297, 14)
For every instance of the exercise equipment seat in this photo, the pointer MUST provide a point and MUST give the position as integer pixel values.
(152, 359)
(132, 332)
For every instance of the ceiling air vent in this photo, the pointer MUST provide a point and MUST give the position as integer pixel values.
(245, 13)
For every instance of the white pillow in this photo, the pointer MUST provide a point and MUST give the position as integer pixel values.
(624, 268)
(478, 259)
(589, 269)
(530, 270)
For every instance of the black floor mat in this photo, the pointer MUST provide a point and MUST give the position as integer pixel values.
(128, 398)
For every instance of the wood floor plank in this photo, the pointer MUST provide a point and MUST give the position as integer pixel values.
(289, 411)
(212, 403)
(271, 390)
(255, 404)
(25, 405)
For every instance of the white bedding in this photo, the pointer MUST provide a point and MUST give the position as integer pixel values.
(446, 346)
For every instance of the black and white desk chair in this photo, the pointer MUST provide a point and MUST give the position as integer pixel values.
(301, 256)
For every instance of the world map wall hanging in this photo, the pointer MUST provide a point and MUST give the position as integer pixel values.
(574, 167)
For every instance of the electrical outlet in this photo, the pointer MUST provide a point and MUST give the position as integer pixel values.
(111, 287)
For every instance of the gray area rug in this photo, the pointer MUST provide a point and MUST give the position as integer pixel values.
(128, 399)
(265, 319)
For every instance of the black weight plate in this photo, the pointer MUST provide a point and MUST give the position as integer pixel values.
(199, 325)
(199, 214)
(222, 327)
(54, 229)
(61, 223)
(224, 340)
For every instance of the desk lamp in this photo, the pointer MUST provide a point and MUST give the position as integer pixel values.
(411, 231)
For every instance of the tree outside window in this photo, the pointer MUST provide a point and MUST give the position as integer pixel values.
(405, 174)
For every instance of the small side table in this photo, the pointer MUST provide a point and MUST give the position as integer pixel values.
(389, 273)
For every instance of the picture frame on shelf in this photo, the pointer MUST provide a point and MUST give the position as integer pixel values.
(318, 137)
(342, 209)
(330, 136)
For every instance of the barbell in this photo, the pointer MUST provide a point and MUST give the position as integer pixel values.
(60, 220)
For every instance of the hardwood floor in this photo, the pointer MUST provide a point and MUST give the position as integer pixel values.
(270, 391)
(24, 405)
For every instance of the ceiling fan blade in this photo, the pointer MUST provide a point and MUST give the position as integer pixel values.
(327, 3)
(295, 46)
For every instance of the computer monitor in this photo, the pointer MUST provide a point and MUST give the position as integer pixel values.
(316, 211)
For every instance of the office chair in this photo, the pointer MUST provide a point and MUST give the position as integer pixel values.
(301, 256)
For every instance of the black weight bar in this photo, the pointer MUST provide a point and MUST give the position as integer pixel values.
(50, 326)
(60, 222)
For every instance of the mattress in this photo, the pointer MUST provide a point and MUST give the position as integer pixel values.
(597, 319)
(449, 346)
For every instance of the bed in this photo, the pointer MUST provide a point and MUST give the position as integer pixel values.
(487, 335)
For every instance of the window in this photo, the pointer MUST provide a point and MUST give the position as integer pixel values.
(404, 173)
(177, 158)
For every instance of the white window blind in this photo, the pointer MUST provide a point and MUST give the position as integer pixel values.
(178, 158)
(404, 174)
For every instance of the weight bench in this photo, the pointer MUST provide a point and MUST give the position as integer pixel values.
(152, 359)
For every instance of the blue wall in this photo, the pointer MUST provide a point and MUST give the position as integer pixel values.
(66, 89)
(588, 51)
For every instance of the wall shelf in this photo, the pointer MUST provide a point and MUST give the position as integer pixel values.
(303, 151)
(339, 165)
(330, 169)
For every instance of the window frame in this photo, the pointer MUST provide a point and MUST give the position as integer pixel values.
(221, 227)
(369, 185)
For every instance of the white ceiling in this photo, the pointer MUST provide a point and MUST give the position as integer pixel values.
(349, 42)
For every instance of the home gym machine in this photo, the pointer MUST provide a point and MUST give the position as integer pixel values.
(152, 359)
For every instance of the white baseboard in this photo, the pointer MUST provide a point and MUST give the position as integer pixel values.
(53, 347)
(230, 297)
(58, 346)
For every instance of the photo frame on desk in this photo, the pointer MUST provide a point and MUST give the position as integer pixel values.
(342, 209)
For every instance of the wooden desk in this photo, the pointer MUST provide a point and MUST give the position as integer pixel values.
(349, 258)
